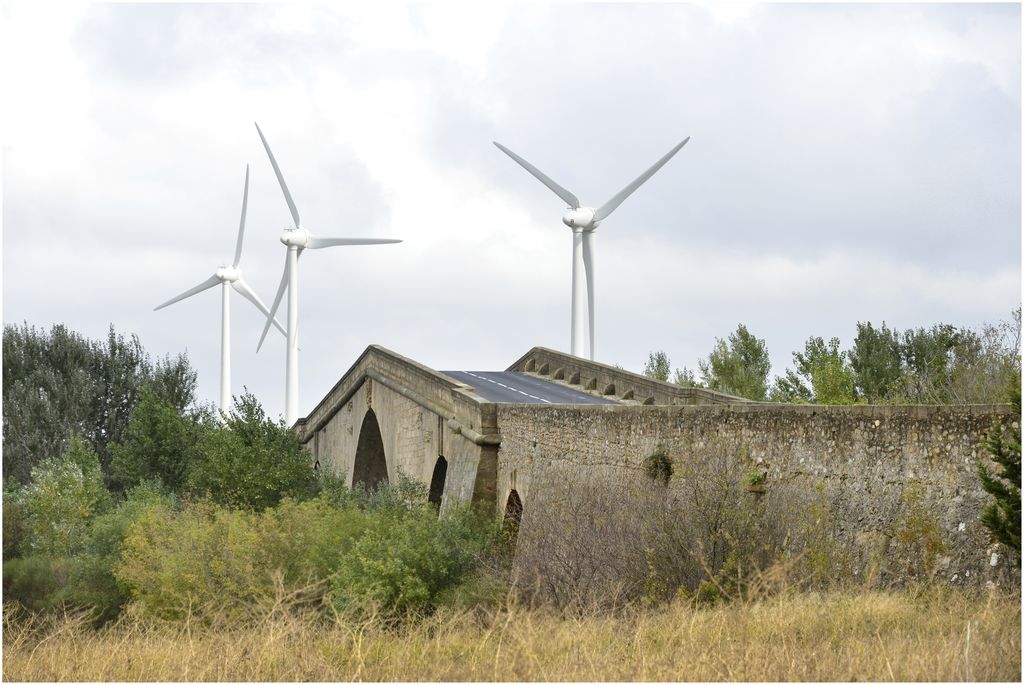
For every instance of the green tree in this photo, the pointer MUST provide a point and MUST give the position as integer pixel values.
(160, 443)
(738, 365)
(927, 356)
(796, 386)
(1002, 517)
(875, 359)
(48, 391)
(833, 380)
(822, 375)
(984, 366)
(686, 378)
(62, 500)
(251, 461)
(791, 388)
(658, 366)
(59, 383)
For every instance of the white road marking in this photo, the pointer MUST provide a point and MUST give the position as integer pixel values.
(541, 399)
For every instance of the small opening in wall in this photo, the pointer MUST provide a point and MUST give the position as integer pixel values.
(513, 516)
(437, 482)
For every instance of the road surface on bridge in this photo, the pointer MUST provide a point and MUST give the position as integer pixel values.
(520, 388)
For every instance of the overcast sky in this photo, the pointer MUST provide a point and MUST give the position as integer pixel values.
(847, 163)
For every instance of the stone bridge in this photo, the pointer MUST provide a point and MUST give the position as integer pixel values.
(488, 437)
(390, 413)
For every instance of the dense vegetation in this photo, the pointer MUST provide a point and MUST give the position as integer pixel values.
(154, 501)
(161, 521)
(942, 364)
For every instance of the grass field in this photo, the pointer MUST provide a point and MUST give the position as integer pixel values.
(933, 635)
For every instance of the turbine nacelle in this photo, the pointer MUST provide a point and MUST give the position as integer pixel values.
(582, 217)
(296, 237)
(228, 273)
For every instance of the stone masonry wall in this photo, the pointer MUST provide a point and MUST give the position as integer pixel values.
(862, 459)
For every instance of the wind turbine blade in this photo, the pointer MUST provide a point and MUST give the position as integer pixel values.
(241, 223)
(540, 176)
(609, 207)
(208, 283)
(277, 302)
(280, 178)
(317, 243)
(243, 288)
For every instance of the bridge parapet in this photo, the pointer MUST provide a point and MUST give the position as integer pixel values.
(603, 379)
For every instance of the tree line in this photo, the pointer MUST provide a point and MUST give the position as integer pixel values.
(940, 364)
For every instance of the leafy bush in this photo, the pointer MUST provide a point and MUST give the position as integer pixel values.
(62, 500)
(405, 559)
(209, 559)
(37, 582)
(657, 366)
(659, 466)
(378, 548)
(92, 583)
(251, 461)
(753, 478)
(15, 519)
(84, 579)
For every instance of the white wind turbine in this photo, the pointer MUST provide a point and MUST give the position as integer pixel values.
(297, 239)
(584, 221)
(228, 277)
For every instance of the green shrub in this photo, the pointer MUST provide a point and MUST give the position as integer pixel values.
(659, 466)
(15, 519)
(173, 561)
(92, 580)
(384, 548)
(210, 559)
(406, 559)
(36, 582)
(755, 478)
(251, 461)
(62, 500)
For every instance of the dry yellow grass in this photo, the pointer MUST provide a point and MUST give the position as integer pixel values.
(945, 636)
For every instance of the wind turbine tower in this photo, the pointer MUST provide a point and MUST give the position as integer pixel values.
(584, 221)
(296, 239)
(228, 277)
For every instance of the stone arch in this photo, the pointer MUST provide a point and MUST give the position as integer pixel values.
(371, 465)
(437, 481)
(513, 515)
